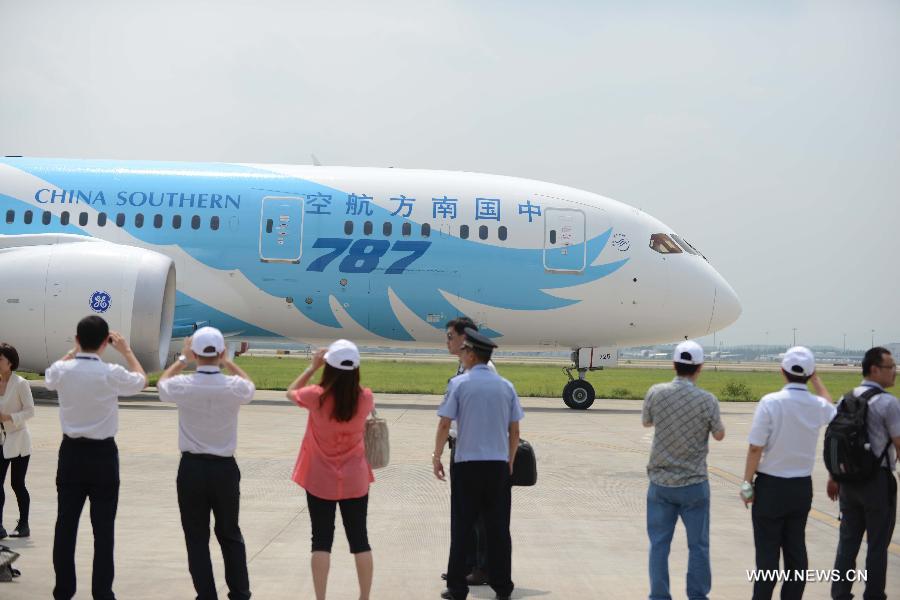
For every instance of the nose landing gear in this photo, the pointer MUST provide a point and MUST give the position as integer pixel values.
(579, 393)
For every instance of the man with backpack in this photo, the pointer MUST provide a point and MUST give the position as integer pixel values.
(781, 456)
(861, 447)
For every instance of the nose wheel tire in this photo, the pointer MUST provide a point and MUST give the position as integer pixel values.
(578, 394)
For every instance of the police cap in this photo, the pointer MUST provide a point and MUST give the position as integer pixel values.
(478, 341)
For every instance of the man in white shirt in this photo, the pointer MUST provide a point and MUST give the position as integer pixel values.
(88, 467)
(781, 455)
(208, 476)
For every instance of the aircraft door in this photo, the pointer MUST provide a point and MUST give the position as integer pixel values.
(565, 250)
(281, 229)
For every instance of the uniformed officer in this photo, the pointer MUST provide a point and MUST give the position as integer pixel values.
(208, 476)
(487, 411)
(89, 391)
(476, 554)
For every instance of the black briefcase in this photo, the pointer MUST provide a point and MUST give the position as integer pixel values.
(525, 465)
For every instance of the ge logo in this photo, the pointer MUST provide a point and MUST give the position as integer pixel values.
(100, 302)
(620, 241)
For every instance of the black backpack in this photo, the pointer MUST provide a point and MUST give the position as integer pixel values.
(848, 454)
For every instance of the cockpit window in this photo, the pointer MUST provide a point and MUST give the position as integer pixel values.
(694, 248)
(684, 245)
(662, 243)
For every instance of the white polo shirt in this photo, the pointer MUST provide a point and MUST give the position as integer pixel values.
(89, 391)
(786, 425)
(208, 404)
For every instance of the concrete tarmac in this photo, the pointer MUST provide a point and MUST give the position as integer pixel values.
(579, 533)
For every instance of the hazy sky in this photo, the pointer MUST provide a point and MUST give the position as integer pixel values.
(767, 133)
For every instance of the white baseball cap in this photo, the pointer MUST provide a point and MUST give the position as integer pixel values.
(343, 355)
(207, 341)
(799, 360)
(688, 352)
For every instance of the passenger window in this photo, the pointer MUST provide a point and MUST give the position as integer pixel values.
(463, 232)
(176, 221)
(83, 219)
(64, 218)
(157, 221)
(120, 220)
(501, 233)
(406, 230)
(45, 218)
(387, 228)
(482, 232)
(660, 242)
(10, 216)
(139, 220)
(101, 219)
(195, 222)
(27, 217)
(684, 245)
(348, 227)
(426, 230)
(367, 228)
(214, 222)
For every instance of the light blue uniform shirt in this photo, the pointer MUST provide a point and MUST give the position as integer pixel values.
(483, 404)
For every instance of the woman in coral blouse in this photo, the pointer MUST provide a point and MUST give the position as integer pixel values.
(332, 465)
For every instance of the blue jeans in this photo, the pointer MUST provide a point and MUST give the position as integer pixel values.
(664, 506)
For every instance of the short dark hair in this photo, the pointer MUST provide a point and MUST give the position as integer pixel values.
(795, 378)
(11, 355)
(483, 356)
(459, 324)
(685, 370)
(873, 358)
(92, 332)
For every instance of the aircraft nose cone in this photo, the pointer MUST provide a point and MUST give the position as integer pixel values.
(727, 307)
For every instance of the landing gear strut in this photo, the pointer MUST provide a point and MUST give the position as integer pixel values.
(579, 393)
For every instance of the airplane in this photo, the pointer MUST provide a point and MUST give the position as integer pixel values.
(271, 252)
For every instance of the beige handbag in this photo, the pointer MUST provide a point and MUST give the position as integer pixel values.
(378, 447)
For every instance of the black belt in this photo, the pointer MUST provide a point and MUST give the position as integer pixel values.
(202, 456)
(84, 440)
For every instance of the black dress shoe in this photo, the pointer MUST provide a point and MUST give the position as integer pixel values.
(446, 595)
(21, 531)
(2, 532)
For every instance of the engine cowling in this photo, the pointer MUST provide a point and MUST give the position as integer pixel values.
(49, 283)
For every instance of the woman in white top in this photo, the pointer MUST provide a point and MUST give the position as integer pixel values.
(16, 407)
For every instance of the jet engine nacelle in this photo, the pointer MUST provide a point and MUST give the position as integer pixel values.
(59, 279)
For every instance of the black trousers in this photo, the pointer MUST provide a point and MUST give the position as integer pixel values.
(207, 484)
(17, 482)
(868, 507)
(780, 508)
(353, 514)
(480, 487)
(87, 469)
(476, 545)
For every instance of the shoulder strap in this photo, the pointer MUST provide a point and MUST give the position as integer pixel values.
(870, 393)
(853, 402)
